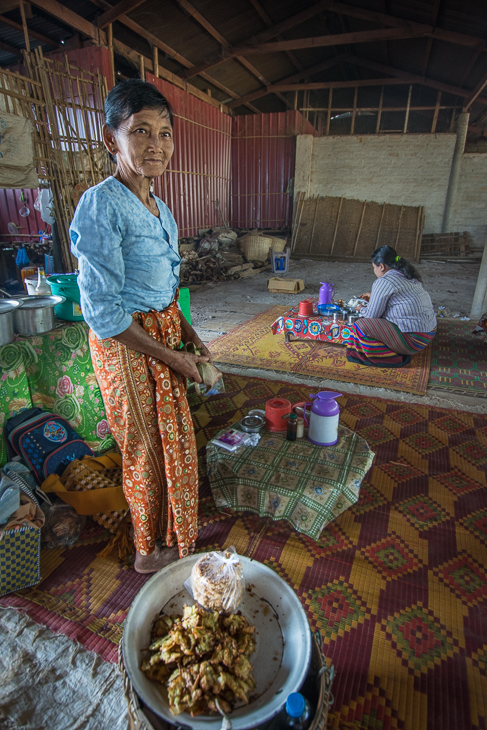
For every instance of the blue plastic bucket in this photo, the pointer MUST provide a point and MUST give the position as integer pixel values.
(66, 285)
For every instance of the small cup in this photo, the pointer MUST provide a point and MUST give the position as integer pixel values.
(305, 308)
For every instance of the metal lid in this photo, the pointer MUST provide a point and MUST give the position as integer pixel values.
(8, 305)
(40, 301)
(251, 424)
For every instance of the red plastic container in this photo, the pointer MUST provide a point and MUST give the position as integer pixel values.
(275, 409)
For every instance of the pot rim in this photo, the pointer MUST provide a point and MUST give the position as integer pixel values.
(39, 301)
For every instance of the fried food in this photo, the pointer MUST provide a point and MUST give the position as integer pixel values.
(201, 657)
(217, 581)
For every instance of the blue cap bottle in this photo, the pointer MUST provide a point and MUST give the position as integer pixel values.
(295, 704)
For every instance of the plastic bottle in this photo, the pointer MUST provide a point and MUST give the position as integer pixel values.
(42, 285)
(300, 428)
(292, 427)
(298, 713)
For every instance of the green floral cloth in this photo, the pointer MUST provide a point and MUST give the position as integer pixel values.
(53, 371)
(307, 485)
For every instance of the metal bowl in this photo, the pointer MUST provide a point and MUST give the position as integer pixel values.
(36, 314)
(283, 651)
(252, 424)
(7, 308)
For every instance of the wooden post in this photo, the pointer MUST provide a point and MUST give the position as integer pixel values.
(406, 118)
(295, 100)
(360, 227)
(110, 50)
(336, 227)
(329, 112)
(379, 115)
(478, 302)
(24, 26)
(354, 112)
(417, 245)
(437, 111)
(155, 62)
(142, 67)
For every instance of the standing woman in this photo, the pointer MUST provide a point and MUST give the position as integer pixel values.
(126, 243)
(399, 319)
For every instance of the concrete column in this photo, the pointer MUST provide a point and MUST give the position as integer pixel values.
(462, 127)
(478, 303)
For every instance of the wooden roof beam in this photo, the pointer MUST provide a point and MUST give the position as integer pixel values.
(434, 17)
(53, 7)
(110, 16)
(415, 78)
(186, 5)
(367, 36)
(290, 79)
(262, 13)
(32, 33)
(11, 49)
(475, 94)
(390, 20)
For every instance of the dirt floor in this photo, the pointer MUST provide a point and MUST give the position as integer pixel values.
(217, 308)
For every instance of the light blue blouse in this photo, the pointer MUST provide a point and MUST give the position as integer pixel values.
(128, 259)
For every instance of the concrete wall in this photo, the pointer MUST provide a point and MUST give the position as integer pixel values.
(470, 209)
(396, 168)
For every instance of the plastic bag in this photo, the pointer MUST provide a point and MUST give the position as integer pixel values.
(217, 581)
(63, 526)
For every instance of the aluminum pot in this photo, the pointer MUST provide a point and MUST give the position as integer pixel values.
(36, 315)
(7, 309)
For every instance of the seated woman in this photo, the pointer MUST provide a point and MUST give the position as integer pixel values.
(399, 319)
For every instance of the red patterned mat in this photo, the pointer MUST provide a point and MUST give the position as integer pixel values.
(397, 585)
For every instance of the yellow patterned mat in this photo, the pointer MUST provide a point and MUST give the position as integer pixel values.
(253, 345)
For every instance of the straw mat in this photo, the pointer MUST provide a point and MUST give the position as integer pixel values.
(252, 344)
(397, 585)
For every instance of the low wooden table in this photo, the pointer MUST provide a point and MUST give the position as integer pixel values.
(314, 327)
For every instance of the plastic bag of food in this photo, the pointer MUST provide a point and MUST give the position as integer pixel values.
(217, 581)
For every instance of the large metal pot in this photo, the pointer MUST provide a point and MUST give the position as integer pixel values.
(7, 308)
(36, 315)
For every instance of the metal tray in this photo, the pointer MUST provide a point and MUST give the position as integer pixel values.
(282, 656)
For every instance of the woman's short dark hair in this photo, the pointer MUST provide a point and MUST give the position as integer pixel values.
(388, 256)
(130, 97)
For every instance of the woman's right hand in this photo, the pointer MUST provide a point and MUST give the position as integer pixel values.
(184, 363)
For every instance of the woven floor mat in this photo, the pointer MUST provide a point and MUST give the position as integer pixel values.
(397, 585)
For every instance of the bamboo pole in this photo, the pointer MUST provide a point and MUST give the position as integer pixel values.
(398, 227)
(110, 50)
(380, 224)
(314, 223)
(24, 26)
(437, 111)
(379, 115)
(417, 243)
(155, 61)
(329, 112)
(406, 117)
(354, 112)
(336, 226)
(142, 67)
(360, 227)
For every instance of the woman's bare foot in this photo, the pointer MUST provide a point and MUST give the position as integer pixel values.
(158, 559)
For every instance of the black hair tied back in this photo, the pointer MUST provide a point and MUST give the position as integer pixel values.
(130, 97)
(388, 256)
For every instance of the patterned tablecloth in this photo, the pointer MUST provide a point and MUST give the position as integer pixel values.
(313, 327)
(307, 485)
(54, 371)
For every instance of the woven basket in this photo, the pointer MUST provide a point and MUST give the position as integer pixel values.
(278, 244)
(255, 247)
(137, 711)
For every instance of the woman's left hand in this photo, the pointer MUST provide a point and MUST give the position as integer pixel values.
(203, 350)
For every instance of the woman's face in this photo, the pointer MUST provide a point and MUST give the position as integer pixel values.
(143, 143)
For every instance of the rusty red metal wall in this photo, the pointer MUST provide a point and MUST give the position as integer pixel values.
(263, 160)
(199, 171)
